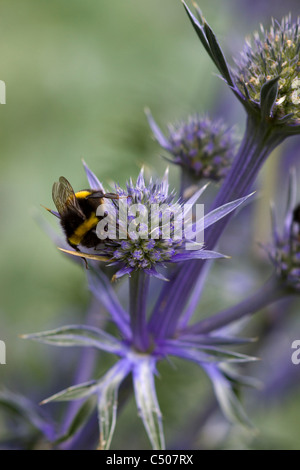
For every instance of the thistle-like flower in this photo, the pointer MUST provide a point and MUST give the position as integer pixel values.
(273, 55)
(143, 226)
(202, 147)
(208, 351)
(265, 78)
(284, 252)
(141, 342)
(265, 128)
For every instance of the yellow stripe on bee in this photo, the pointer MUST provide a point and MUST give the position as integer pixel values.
(83, 229)
(82, 194)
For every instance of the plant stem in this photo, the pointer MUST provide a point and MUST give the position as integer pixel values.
(138, 290)
(188, 181)
(259, 141)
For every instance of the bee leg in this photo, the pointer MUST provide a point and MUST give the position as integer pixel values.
(114, 196)
(100, 194)
(86, 264)
(111, 196)
(84, 259)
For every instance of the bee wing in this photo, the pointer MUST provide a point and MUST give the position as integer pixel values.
(64, 197)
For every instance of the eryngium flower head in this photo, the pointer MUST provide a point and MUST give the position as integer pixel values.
(270, 54)
(266, 76)
(145, 227)
(284, 252)
(203, 147)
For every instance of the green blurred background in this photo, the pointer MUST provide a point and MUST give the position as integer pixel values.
(79, 75)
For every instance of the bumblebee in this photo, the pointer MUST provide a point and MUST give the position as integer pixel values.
(78, 212)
